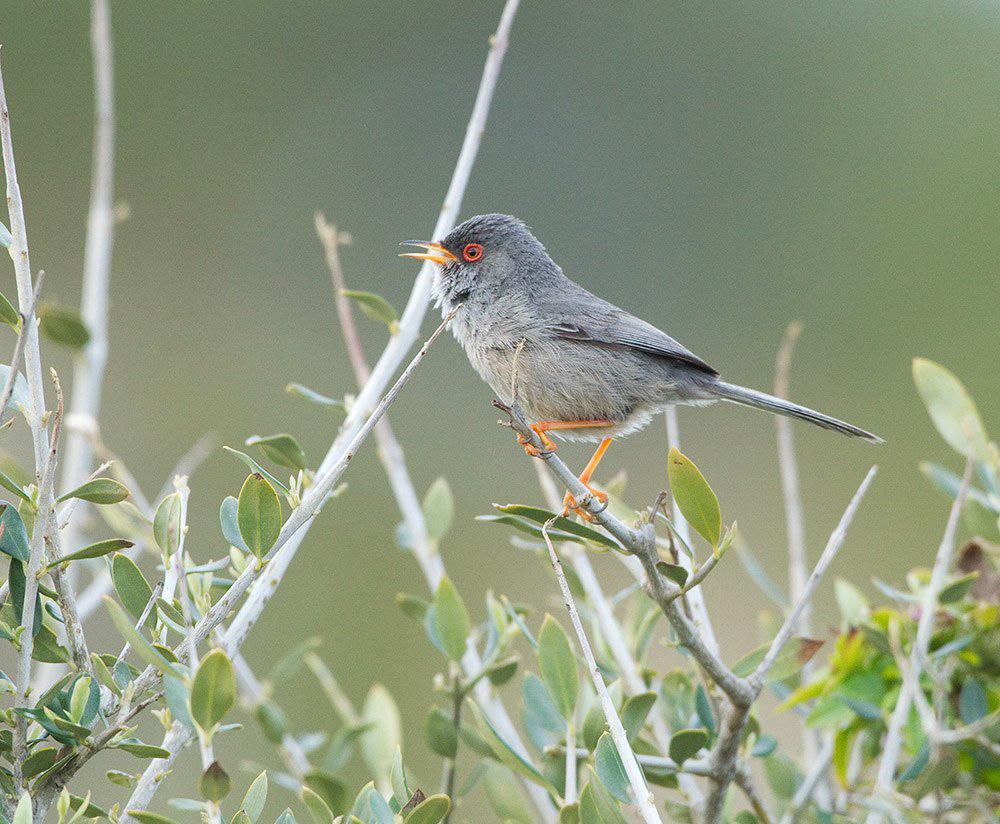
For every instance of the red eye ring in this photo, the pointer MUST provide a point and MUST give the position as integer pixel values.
(472, 252)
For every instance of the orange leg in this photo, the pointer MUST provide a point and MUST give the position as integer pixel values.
(569, 502)
(547, 426)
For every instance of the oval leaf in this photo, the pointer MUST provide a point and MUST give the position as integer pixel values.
(8, 314)
(611, 771)
(131, 586)
(214, 784)
(451, 620)
(63, 326)
(685, 744)
(213, 691)
(98, 550)
(228, 520)
(374, 306)
(258, 514)
(429, 811)
(281, 449)
(951, 408)
(99, 491)
(557, 665)
(439, 509)
(694, 497)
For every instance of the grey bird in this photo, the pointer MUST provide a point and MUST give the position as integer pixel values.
(577, 365)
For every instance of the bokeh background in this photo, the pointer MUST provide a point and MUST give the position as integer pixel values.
(720, 168)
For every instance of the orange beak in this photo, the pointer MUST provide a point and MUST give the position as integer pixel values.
(435, 252)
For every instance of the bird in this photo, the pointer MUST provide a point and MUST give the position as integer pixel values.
(579, 366)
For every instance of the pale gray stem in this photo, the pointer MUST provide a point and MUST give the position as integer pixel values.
(885, 780)
(22, 335)
(425, 549)
(88, 374)
(806, 790)
(643, 798)
(357, 423)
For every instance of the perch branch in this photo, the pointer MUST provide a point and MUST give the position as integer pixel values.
(642, 796)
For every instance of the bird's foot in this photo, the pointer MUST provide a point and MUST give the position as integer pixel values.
(531, 449)
(570, 505)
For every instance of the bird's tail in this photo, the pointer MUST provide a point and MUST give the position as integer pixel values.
(761, 400)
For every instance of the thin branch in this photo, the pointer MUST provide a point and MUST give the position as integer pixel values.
(643, 798)
(22, 335)
(885, 780)
(725, 752)
(804, 793)
(88, 374)
(692, 766)
(393, 461)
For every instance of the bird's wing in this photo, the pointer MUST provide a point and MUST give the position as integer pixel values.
(594, 320)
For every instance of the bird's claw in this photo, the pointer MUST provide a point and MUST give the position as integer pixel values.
(570, 505)
(547, 444)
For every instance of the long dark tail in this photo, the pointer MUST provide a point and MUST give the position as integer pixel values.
(761, 400)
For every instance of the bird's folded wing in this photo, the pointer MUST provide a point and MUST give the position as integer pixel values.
(604, 323)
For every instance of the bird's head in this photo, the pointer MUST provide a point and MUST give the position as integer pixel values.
(483, 257)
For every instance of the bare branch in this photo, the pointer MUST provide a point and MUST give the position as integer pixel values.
(22, 334)
(642, 796)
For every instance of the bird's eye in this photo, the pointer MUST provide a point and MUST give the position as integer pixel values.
(472, 252)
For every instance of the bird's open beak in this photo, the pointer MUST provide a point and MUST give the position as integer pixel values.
(435, 252)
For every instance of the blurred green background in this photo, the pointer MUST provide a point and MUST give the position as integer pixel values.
(719, 168)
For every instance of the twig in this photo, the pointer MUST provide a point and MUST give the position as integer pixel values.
(804, 793)
(425, 549)
(726, 749)
(642, 796)
(88, 374)
(692, 766)
(892, 745)
(146, 610)
(22, 335)
(409, 329)
(794, 521)
(188, 463)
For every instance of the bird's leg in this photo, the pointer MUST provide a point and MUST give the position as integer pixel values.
(546, 426)
(569, 502)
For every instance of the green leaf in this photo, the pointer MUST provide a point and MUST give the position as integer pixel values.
(63, 326)
(122, 779)
(8, 314)
(972, 701)
(429, 811)
(685, 744)
(39, 761)
(673, 572)
(611, 771)
(541, 516)
(5, 237)
(782, 775)
(214, 784)
(140, 749)
(442, 737)
(315, 397)
(167, 524)
(439, 509)
(320, 812)
(213, 691)
(11, 486)
(99, 491)
(98, 550)
(141, 646)
(764, 746)
(255, 467)
(16, 578)
(375, 306)
(13, 535)
(956, 590)
(254, 800)
(383, 735)
(230, 524)
(131, 586)
(570, 814)
(412, 605)
(175, 693)
(146, 817)
(557, 665)
(332, 790)
(793, 656)
(597, 806)
(635, 711)
(281, 449)
(529, 528)
(23, 813)
(505, 753)
(271, 719)
(258, 514)
(951, 408)
(694, 497)
(451, 620)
